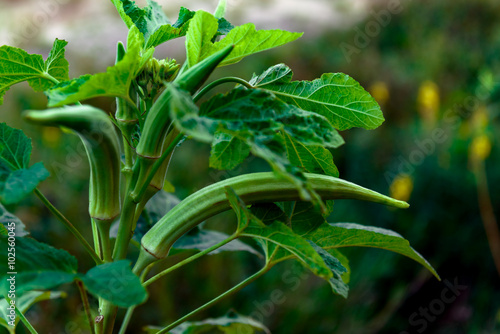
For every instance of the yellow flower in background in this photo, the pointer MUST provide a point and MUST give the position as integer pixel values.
(401, 187)
(428, 102)
(380, 92)
(480, 119)
(51, 136)
(480, 148)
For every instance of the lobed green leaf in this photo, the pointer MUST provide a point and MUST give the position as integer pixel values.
(336, 96)
(17, 179)
(115, 82)
(16, 66)
(334, 236)
(116, 283)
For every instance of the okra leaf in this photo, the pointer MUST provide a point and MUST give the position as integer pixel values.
(333, 236)
(168, 32)
(247, 41)
(24, 303)
(336, 96)
(116, 283)
(201, 239)
(231, 323)
(152, 22)
(16, 66)
(8, 219)
(337, 269)
(311, 158)
(38, 266)
(17, 179)
(302, 218)
(227, 151)
(16, 185)
(276, 236)
(254, 118)
(115, 82)
(202, 29)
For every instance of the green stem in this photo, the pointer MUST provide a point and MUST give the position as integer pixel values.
(126, 320)
(86, 304)
(95, 236)
(226, 294)
(130, 310)
(104, 227)
(69, 226)
(189, 259)
(157, 164)
(108, 311)
(22, 317)
(220, 82)
(125, 229)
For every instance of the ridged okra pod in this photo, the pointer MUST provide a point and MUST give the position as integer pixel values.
(252, 188)
(97, 132)
(157, 121)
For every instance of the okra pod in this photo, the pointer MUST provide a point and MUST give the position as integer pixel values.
(252, 188)
(97, 132)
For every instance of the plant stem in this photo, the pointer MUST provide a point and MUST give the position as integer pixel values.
(126, 320)
(86, 304)
(228, 293)
(104, 227)
(157, 164)
(130, 310)
(108, 311)
(125, 229)
(95, 236)
(69, 226)
(220, 82)
(188, 260)
(25, 321)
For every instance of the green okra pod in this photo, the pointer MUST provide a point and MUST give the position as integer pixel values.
(97, 132)
(252, 188)
(158, 119)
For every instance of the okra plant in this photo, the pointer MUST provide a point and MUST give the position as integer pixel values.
(161, 104)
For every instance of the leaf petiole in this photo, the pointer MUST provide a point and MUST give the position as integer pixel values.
(218, 82)
(217, 299)
(69, 226)
(190, 259)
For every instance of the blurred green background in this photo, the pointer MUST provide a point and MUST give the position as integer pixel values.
(434, 67)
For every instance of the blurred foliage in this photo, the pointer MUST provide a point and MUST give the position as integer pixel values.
(433, 69)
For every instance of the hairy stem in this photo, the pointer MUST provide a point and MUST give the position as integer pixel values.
(86, 304)
(217, 299)
(189, 259)
(69, 226)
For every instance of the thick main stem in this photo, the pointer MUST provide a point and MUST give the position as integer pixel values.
(69, 226)
(226, 294)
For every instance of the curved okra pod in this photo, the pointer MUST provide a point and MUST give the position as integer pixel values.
(157, 121)
(252, 188)
(98, 134)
